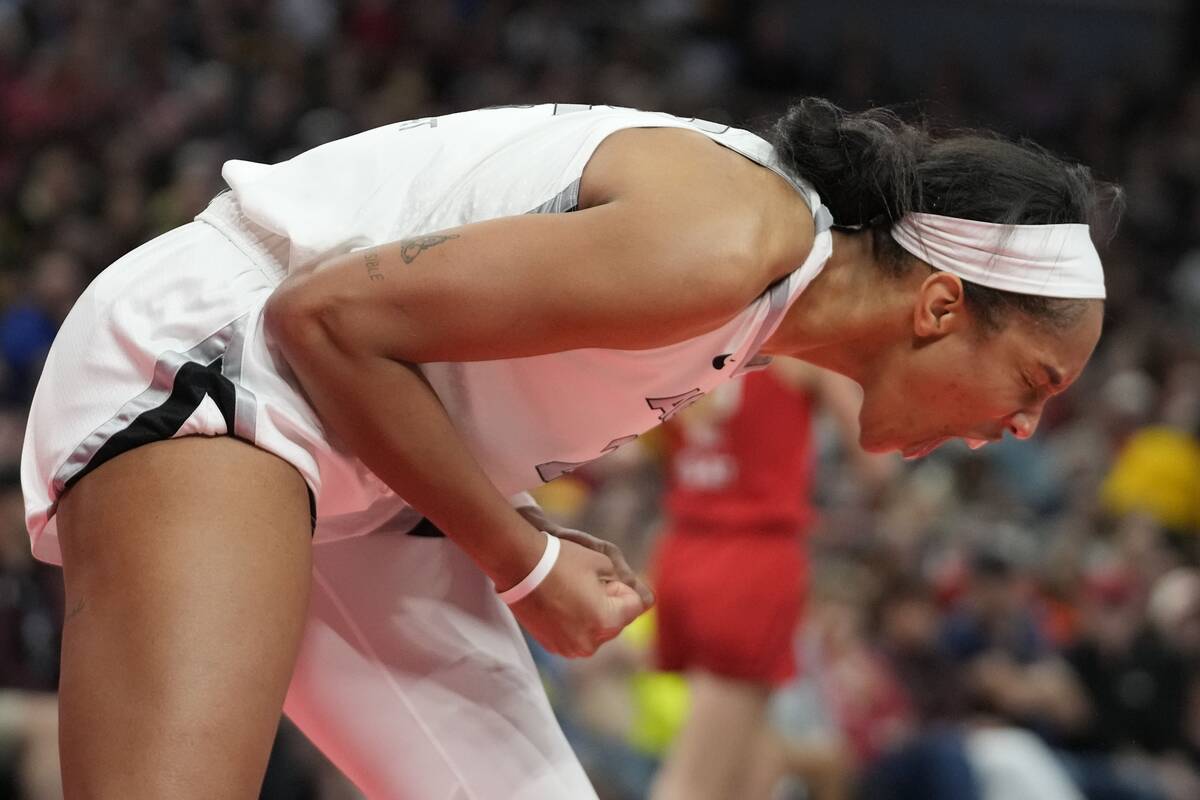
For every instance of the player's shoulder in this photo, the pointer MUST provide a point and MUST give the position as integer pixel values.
(687, 181)
(680, 161)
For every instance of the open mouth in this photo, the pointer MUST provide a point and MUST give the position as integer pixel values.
(923, 449)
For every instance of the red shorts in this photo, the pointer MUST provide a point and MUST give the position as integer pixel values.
(729, 603)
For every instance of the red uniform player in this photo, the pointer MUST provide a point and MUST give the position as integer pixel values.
(730, 571)
(740, 473)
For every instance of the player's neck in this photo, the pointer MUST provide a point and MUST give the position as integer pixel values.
(848, 316)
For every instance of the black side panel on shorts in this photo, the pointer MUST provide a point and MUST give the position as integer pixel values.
(192, 382)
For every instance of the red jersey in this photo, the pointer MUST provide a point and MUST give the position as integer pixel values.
(743, 459)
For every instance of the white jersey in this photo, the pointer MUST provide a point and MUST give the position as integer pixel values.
(526, 420)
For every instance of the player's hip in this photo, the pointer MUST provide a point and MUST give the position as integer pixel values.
(168, 341)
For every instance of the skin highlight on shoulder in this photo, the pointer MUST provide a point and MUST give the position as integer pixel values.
(684, 179)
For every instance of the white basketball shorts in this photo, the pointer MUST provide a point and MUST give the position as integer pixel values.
(166, 342)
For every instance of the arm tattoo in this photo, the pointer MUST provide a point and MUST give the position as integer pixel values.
(411, 248)
(371, 259)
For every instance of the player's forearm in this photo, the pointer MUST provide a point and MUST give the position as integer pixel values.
(392, 420)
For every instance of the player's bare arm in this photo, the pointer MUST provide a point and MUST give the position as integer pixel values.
(649, 264)
(681, 235)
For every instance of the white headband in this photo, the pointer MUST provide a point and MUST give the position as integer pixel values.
(1046, 260)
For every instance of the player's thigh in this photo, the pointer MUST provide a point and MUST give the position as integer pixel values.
(711, 753)
(187, 568)
(414, 679)
(723, 707)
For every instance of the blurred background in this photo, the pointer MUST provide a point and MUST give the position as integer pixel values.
(1023, 602)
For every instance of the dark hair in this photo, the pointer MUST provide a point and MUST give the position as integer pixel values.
(871, 168)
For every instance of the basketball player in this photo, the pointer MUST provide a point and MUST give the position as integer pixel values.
(739, 477)
(395, 332)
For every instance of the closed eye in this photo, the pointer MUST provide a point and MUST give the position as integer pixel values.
(1053, 376)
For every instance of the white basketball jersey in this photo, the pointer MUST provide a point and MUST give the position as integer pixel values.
(526, 420)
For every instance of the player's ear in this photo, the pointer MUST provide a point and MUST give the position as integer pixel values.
(940, 306)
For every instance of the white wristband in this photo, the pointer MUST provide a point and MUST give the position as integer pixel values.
(537, 575)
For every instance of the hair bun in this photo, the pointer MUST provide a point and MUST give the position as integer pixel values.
(863, 165)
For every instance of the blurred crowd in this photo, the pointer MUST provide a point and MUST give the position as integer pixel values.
(1028, 611)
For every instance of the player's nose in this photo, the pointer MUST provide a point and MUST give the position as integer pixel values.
(1023, 424)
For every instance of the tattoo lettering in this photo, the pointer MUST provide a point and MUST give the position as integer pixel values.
(371, 259)
(411, 248)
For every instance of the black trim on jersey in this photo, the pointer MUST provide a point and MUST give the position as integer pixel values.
(193, 382)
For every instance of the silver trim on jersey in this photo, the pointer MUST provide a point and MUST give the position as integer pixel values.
(823, 219)
(779, 295)
(566, 200)
(759, 362)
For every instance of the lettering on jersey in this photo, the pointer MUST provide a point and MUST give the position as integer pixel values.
(427, 122)
(554, 469)
(705, 471)
(668, 407)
